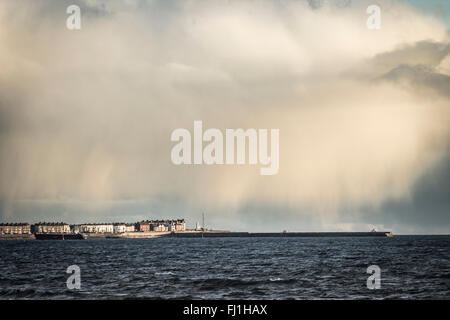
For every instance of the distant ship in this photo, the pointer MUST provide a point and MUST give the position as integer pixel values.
(60, 236)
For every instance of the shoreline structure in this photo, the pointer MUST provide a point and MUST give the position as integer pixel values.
(212, 234)
(147, 230)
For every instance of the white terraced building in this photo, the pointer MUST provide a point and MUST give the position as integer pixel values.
(97, 228)
(51, 227)
(177, 225)
(120, 228)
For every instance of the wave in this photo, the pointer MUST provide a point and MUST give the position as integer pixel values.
(164, 273)
(217, 283)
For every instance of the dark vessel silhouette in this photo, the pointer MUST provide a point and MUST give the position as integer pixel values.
(60, 236)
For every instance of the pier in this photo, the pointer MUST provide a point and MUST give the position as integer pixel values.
(213, 234)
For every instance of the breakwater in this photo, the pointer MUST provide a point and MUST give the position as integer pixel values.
(17, 237)
(228, 234)
(199, 234)
(213, 234)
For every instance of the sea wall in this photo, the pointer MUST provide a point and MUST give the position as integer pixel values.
(279, 234)
(144, 235)
(128, 235)
(17, 237)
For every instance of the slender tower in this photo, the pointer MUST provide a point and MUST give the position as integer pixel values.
(203, 223)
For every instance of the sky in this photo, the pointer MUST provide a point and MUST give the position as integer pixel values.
(86, 115)
(437, 8)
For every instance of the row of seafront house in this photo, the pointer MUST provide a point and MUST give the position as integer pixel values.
(61, 227)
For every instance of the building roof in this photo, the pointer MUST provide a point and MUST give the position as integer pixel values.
(51, 224)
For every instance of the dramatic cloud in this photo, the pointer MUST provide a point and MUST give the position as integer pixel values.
(86, 116)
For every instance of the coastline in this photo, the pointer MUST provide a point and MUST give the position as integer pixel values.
(211, 234)
(17, 237)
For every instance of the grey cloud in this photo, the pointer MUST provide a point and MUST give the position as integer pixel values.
(428, 206)
(420, 77)
(427, 53)
(316, 4)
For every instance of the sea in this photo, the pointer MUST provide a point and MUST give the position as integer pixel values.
(409, 267)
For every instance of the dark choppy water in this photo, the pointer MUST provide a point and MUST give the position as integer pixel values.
(414, 267)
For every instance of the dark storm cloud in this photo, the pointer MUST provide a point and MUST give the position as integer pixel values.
(427, 207)
(426, 52)
(417, 66)
(420, 76)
